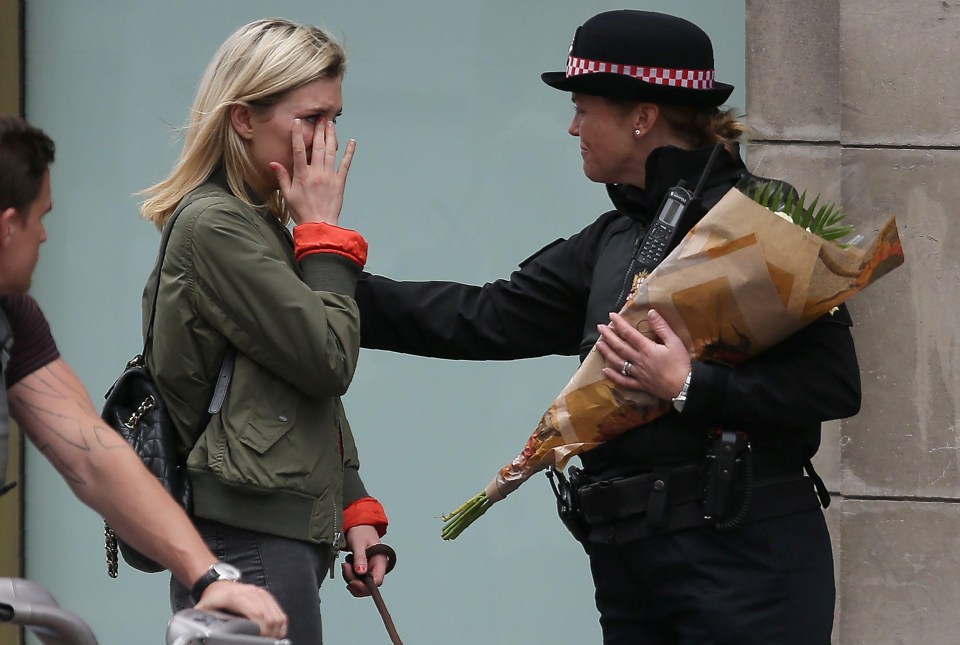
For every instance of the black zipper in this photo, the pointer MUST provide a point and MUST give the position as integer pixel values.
(628, 277)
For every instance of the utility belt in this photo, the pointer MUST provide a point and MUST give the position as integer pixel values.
(732, 486)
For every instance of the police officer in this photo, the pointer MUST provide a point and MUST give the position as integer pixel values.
(701, 526)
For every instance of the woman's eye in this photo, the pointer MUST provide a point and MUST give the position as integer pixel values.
(313, 118)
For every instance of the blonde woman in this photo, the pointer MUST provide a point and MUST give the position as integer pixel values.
(275, 474)
(51, 406)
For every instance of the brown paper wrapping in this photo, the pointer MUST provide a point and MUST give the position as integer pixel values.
(742, 280)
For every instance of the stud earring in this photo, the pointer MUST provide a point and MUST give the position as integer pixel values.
(636, 133)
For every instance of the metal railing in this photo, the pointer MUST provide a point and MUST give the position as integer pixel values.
(27, 603)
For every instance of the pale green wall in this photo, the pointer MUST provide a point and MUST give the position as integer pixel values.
(463, 169)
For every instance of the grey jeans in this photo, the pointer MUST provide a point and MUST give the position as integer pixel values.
(292, 570)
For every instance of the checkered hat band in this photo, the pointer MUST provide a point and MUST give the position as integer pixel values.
(694, 79)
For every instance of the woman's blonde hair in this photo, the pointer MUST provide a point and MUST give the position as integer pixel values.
(256, 66)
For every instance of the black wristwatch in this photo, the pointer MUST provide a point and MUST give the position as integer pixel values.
(217, 571)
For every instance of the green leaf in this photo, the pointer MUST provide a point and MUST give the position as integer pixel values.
(825, 221)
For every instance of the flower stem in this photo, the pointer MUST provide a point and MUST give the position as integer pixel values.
(464, 516)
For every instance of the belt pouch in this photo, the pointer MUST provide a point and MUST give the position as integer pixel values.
(657, 503)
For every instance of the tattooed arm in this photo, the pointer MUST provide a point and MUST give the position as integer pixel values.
(56, 413)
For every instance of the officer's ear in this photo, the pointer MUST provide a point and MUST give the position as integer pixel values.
(644, 117)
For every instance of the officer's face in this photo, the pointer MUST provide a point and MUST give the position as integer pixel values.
(608, 144)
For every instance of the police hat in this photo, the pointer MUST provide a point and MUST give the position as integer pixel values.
(643, 56)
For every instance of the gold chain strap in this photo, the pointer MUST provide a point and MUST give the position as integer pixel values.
(148, 404)
(110, 544)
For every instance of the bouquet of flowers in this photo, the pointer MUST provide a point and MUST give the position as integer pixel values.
(759, 266)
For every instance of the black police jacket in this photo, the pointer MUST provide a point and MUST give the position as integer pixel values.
(553, 303)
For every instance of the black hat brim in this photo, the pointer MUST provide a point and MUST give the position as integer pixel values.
(619, 86)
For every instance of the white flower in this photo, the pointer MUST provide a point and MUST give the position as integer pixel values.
(783, 215)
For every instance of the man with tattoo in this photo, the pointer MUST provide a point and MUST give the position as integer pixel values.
(48, 401)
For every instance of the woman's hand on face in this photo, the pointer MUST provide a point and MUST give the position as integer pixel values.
(315, 191)
(657, 368)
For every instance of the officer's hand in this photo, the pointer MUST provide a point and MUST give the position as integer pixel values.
(656, 362)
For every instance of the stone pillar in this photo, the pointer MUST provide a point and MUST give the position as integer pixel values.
(860, 100)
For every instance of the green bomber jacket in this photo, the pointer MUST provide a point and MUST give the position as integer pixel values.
(279, 457)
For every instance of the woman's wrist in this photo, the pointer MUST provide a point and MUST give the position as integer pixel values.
(365, 511)
(310, 238)
(680, 398)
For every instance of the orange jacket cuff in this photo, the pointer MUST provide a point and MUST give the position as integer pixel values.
(319, 237)
(365, 510)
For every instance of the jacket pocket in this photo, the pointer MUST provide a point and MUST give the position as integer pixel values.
(274, 415)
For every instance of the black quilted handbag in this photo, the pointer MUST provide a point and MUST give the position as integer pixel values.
(135, 409)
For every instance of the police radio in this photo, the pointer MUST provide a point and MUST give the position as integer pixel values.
(672, 218)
